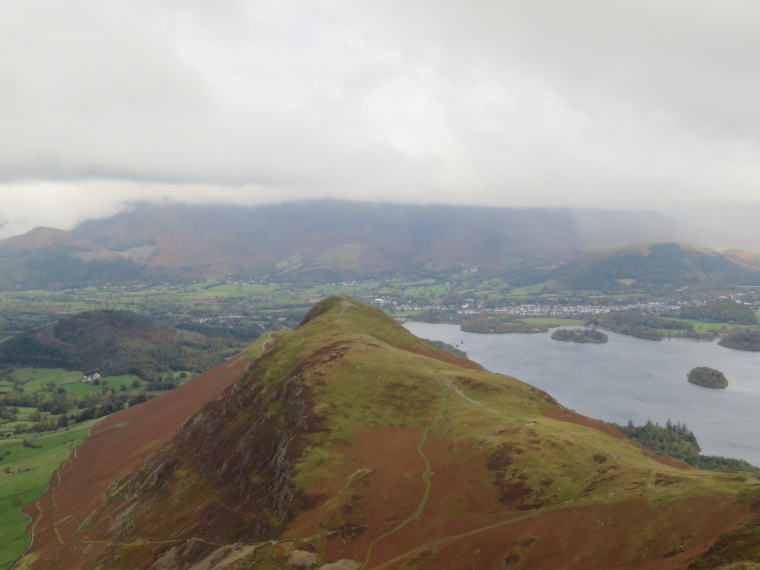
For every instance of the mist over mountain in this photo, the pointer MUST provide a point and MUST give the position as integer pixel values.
(332, 241)
(738, 219)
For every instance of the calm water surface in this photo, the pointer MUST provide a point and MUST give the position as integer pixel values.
(630, 379)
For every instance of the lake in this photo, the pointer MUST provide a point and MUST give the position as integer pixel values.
(630, 379)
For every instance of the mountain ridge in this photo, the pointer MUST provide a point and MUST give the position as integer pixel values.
(329, 241)
(349, 429)
(655, 264)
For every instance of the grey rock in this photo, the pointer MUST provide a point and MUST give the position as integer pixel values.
(302, 559)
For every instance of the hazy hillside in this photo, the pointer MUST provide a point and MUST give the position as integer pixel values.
(113, 343)
(332, 239)
(653, 264)
(351, 439)
(328, 240)
(740, 218)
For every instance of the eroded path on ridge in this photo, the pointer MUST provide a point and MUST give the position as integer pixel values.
(507, 518)
(427, 476)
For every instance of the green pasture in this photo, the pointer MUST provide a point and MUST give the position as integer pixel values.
(35, 378)
(717, 327)
(230, 288)
(25, 474)
(267, 303)
(126, 379)
(23, 414)
(532, 289)
(78, 388)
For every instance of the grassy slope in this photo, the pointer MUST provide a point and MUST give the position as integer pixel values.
(25, 475)
(415, 461)
(127, 440)
(504, 423)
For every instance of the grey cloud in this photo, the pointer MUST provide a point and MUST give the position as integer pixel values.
(497, 102)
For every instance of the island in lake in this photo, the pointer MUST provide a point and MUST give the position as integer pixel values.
(742, 339)
(580, 335)
(708, 377)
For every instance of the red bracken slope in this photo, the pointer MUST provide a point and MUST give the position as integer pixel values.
(113, 448)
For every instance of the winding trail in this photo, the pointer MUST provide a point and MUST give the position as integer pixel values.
(458, 391)
(449, 385)
(427, 475)
(446, 386)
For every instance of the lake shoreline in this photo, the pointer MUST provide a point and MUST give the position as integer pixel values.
(629, 378)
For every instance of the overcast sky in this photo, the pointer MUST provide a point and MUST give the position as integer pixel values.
(515, 103)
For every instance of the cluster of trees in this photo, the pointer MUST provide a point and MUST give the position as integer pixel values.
(244, 332)
(167, 382)
(109, 342)
(52, 402)
(500, 325)
(450, 348)
(639, 319)
(676, 440)
(720, 463)
(631, 323)
(646, 326)
(447, 316)
(57, 402)
(580, 335)
(637, 331)
(709, 377)
(115, 343)
(105, 406)
(742, 339)
(725, 311)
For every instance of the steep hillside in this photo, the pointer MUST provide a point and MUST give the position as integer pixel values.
(112, 343)
(47, 257)
(336, 239)
(326, 240)
(349, 438)
(654, 264)
(113, 448)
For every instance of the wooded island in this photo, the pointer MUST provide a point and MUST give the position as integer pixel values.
(580, 335)
(708, 377)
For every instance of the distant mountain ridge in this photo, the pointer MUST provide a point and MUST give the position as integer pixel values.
(655, 264)
(330, 241)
